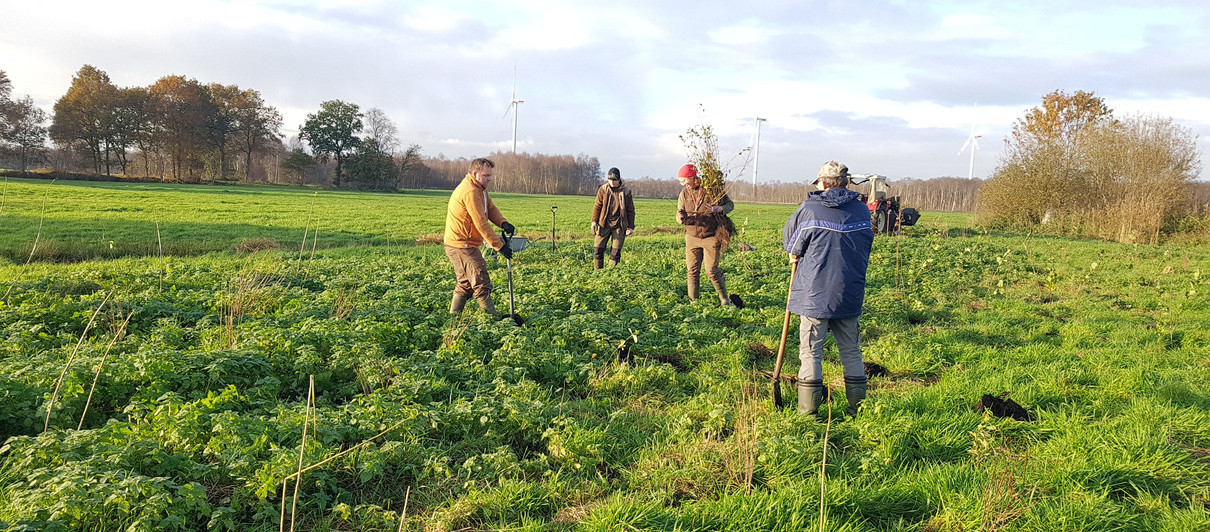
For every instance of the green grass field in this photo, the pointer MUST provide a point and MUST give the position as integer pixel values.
(165, 384)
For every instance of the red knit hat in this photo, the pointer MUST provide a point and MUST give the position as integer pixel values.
(687, 171)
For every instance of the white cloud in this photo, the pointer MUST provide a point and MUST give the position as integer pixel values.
(742, 35)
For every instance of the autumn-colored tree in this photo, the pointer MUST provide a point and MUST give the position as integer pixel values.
(85, 115)
(182, 108)
(1072, 168)
(332, 132)
(1061, 117)
(136, 127)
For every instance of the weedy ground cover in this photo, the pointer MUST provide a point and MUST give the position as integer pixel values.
(619, 405)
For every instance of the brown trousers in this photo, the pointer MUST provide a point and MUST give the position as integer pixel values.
(707, 251)
(471, 271)
(599, 241)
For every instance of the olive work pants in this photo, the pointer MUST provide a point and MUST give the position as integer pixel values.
(704, 252)
(599, 241)
(471, 272)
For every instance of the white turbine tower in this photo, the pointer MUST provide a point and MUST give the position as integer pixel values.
(756, 162)
(973, 141)
(512, 106)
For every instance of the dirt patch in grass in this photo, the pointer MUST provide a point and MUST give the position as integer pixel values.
(253, 245)
(434, 238)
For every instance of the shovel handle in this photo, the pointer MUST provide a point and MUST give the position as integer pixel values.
(785, 330)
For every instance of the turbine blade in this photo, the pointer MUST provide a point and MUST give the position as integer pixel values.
(507, 109)
(965, 144)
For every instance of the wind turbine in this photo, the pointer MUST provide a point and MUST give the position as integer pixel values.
(512, 106)
(973, 141)
(756, 162)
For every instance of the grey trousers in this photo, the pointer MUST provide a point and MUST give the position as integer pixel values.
(812, 332)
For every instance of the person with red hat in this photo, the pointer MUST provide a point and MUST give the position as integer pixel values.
(702, 218)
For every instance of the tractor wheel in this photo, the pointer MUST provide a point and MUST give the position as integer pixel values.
(881, 223)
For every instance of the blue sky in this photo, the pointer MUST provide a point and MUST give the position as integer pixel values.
(886, 87)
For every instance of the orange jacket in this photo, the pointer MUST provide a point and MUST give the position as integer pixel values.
(467, 216)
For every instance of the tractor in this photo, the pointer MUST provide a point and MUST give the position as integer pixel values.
(885, 215)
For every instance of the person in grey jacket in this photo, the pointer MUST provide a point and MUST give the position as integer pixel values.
(830, 237)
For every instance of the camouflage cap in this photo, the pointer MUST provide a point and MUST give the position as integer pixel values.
(831, 169)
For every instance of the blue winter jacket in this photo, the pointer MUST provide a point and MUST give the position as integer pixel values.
(831, 233)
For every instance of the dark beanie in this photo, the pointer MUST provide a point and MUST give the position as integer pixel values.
(615, 172)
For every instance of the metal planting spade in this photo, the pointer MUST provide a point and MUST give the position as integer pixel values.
(517, 245)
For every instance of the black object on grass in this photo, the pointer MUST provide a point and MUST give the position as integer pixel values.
(1003, 407)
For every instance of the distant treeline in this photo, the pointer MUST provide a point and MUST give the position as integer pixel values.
(181, 130)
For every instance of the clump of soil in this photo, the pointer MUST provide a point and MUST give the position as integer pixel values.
(874, 369)
(1003, 407)
(761, 350)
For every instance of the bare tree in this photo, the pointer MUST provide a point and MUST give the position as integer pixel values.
(22, 131)
(378, 127)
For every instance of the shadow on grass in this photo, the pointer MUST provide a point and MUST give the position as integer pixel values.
(65, 241)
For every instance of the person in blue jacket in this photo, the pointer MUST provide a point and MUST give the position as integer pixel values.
(829, 236)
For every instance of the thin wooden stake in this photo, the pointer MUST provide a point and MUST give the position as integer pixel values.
(37, 238)
(159, 243)
(302, 451)
(97, 376)
(306, 229)
(404, 517)
(58, 385)
(346, 451)
(823, 469)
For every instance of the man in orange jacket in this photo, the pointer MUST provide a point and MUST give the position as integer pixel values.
(466, 228)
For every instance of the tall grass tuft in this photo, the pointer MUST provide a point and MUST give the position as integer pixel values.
(250, 290)
(1002, 502)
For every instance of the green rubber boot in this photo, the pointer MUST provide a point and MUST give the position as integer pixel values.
(810, 396)
(457, 304)
(854, 391)
(488, 306)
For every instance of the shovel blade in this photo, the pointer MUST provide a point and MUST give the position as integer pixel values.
(517, 319)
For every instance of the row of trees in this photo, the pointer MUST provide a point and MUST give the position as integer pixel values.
(177, 128)
(1072, 167)
(22, 133)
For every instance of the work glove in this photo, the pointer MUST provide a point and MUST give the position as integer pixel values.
(595, 228)
(508, 228)
(507, 251)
